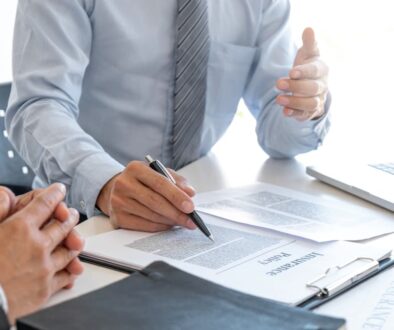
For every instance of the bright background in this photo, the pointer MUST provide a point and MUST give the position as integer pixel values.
(355, 38)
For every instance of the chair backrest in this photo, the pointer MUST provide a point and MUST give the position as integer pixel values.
(14, 172)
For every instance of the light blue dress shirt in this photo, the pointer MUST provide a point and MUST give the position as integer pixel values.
(94, 79)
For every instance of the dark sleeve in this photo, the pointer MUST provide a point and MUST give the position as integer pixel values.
(4, 325)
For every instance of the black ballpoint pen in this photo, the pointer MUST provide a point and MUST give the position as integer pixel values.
(157, 166)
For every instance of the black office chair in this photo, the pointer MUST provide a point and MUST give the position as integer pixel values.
(14, 173)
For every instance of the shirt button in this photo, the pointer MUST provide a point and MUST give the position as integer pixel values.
(83, 205)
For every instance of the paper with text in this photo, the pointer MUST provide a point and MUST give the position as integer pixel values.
(367, 306)
(245, 258)
(294, 213)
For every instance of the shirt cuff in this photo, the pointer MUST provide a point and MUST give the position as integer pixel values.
(3, 300)
(314, 130)
(90, 177)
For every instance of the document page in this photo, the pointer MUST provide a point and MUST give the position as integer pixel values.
(245, 258)
(369, 305)
(294, 213)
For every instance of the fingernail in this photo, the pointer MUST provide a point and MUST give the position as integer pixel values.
(190, 224)
(289, 112)
(283, 100)
(74, 214)
(282, 84)
(295, 74)
(187, 207)
(192, 188)
(62, 188)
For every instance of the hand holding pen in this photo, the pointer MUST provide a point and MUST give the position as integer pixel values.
(141, 199)
(194, 216)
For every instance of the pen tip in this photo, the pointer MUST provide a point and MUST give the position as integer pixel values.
(211, 238)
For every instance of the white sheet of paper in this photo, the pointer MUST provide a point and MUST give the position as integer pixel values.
(369, 305)
(245, 258)
(294, 213)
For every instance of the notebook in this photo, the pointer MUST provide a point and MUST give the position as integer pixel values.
(373, 182)
(164, 297)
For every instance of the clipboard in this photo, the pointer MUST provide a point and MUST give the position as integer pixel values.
(340, 279)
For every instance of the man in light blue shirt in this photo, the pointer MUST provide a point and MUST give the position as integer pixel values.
(93, 93)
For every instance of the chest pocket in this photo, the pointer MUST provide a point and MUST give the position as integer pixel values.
(228, 70)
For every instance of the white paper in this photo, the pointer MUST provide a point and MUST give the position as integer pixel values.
(245, 258)
(294, 213)
(369, 305)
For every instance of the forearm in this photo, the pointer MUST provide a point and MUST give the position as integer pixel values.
(58, 150)
(278, 135)
(50, 56)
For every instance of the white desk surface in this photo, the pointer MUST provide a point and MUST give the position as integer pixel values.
(212, 173)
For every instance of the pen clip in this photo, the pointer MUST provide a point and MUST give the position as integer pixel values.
(166, 172)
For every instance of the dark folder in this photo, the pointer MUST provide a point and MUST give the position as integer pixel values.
(164, 297)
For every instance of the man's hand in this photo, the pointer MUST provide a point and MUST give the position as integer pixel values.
(34, 262)
(306, 88)
(141, 199)
(13, 204)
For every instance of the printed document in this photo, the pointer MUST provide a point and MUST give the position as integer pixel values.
(253, 260)
(369, 305)
(294, 213)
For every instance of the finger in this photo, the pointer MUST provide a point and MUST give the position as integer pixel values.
(56, 231)
(61, 257)
(309, 44)
(74, 241)
(154, 201)
(75, 267)
(70, 286)
(166, 190)
(182, 183)
(302, 87)
(133, 222)
(62, 213)
(44, 204)
(23, 200)
(62, 279)
(5, 205)
(161, 185)
(298, 114)
(309, 104)
(315, 69)
(134, 207)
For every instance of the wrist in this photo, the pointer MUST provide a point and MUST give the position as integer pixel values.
(104, 196)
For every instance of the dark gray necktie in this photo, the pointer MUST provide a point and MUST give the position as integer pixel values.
(192, 52)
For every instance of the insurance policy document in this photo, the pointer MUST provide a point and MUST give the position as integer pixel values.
(252, 260)
(291, 212)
